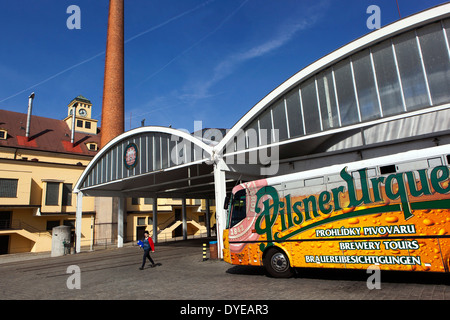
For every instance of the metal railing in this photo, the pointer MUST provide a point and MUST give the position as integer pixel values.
(16, 224)
(5, 224)
(108, 243)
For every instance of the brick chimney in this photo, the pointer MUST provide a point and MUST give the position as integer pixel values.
(107, 222)
(113, 108)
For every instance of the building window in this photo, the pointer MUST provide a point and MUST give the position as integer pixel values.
(411, 72)
(52, 224)
(135, 201)
(87, 125)
(365, 85)
(346, 93)
(3, 134)
(92, 146)
(310, 106)
(67, 194)
(279, 119)
(53, 197)
(5, 220)
(79, 123)
(52, 194)
(141, 221)
(69, 223)
(435, 58)
(387, 79)
(8, 188)
(294, 113)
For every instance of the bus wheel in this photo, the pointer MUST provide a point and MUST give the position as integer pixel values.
(277, 264)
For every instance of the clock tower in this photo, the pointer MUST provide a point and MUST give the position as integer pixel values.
(83, 116)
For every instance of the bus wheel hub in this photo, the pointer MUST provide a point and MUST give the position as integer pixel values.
(279, 262)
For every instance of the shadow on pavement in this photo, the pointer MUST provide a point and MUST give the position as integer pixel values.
(352, 275)
(187, 243)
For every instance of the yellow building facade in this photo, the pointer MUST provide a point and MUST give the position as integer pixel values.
(140, 218)
(39, 170)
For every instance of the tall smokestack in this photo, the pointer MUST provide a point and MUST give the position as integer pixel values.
(30, 107)
(108, 220)
(113, 120)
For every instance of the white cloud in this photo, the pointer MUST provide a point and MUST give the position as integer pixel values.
(228, 65)
(195, 91)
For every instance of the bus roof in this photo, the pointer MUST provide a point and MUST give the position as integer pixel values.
(408, 156)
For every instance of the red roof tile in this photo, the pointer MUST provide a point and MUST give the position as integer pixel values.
(46, 134)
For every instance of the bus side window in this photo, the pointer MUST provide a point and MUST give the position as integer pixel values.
(388, 169)
(238, 212)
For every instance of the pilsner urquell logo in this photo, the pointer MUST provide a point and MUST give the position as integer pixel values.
(395, 188)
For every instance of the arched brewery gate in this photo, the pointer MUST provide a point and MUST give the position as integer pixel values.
(383, 93)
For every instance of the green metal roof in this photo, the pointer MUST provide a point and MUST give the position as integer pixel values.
(80, 98)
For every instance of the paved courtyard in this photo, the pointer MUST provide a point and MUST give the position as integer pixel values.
(183, 275)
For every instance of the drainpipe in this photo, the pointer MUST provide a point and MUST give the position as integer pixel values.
(30, 107)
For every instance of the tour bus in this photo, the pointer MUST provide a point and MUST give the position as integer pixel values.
(392, 212)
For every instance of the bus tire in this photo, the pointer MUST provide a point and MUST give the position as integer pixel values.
(277, 264)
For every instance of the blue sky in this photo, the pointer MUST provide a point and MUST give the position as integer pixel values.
(185, 60)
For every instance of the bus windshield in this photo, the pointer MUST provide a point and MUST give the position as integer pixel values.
(237, 208)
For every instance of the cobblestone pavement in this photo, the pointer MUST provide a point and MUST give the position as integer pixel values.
(183, 275)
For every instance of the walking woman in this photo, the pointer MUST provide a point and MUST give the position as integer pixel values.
(147, 245)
